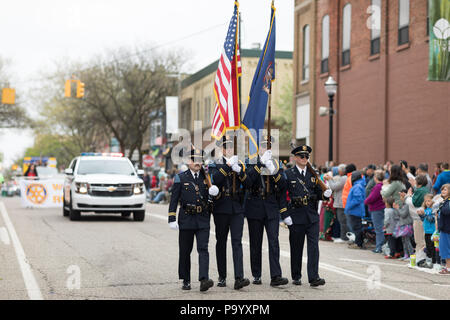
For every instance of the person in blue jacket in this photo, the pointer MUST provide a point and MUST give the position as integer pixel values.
(355, 210)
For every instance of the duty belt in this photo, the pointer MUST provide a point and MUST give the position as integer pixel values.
(193, 209)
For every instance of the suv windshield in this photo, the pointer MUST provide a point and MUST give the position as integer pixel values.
(105, 167)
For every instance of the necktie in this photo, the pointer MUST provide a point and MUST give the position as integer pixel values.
(196, 177)
(303, 173)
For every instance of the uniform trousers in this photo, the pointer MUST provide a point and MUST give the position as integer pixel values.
(186, 242)
(256, 231)
(233, 223)
(297, 233)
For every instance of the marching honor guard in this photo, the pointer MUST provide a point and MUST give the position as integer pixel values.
(305, 191)
(229, 178)
(265, 196)
(191, 191)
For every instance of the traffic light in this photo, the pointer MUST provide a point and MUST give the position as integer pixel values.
(68, 89)
(8, 96)
(80, 89)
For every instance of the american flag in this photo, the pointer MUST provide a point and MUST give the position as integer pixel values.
(226, 91)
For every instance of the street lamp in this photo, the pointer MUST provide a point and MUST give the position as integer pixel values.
(331, 89)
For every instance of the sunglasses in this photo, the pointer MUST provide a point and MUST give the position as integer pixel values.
(303, 156)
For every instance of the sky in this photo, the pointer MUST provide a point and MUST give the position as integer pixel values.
(38, 33)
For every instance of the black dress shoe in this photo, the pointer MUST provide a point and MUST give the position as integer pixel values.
(278, 281)
(222, 282)
(317, 282)
(206, 284)
(257, 280)
(240, 283)
(186, 285)
(297, 282)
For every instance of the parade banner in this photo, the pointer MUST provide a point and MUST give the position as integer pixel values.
(439, 69)
(46, 193)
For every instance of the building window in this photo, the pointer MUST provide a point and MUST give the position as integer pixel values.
(375, 27)
(197, 111)
(207, 112)
(306, 53)
(346, 36)
(325, 44)
(403, 22)
(303, 118)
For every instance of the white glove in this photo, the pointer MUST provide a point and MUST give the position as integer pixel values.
(213, 191)
(173, 225)
(266, 156)
(271, 167)
(236, 168)
(288, 221)
(328, 193)
(233, 160)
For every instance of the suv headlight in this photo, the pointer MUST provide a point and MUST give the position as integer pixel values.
(138, 188)
(82, 188)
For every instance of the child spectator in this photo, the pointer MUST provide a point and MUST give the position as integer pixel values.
(404, 229)
(391, 218)
(429, 228)
(444, 228)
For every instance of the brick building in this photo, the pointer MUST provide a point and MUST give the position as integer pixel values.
(386, 108)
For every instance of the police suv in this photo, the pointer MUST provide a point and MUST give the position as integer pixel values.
(103, 183)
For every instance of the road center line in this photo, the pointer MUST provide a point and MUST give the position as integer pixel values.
(334, 269)
(34, 293)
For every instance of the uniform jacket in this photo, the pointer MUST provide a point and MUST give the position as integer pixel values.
(299, 186)
(184, 192)
(355, 200)
(258, 203)
(222, 176)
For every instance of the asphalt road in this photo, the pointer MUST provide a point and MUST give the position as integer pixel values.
(44, 255)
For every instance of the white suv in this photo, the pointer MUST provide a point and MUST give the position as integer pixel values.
(103, 183)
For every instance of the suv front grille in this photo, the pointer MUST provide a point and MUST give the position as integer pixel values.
(109, 190)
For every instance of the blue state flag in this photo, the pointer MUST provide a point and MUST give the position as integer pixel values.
(259, 93)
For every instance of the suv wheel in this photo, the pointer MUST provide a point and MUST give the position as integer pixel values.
(74, 215)
(65, 211)
(139, 215)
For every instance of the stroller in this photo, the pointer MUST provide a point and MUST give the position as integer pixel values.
(369, 234)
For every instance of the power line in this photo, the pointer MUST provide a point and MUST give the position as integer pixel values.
(136, 53)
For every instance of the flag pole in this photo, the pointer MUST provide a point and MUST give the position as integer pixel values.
(269, 118)
(239, 97)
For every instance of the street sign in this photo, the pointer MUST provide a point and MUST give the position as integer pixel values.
(148, 161)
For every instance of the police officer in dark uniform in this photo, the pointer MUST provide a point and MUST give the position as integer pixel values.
(229, 179)
(264, 198)
(191, 191)
(302, 217)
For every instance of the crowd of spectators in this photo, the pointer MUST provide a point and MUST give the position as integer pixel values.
(394, 209)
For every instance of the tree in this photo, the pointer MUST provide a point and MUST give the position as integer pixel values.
(122, 89)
